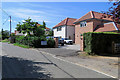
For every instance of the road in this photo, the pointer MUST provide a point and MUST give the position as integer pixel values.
(29, 63)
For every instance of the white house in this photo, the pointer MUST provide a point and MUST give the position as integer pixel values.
(65, 29)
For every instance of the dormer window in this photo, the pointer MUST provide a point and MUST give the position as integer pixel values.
(83, 24)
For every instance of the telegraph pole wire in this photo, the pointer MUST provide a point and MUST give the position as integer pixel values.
(7, 19)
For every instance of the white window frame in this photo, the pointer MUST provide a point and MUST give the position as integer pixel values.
(83, 24)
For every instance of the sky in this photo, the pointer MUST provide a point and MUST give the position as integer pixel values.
(50, 12)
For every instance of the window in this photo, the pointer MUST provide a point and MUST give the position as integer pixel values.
(83, 24)
(59, 28)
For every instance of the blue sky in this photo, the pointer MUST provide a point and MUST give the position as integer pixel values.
(51, 12)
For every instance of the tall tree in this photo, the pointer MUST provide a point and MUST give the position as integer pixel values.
(44, 24)
(30, 27)
(5, 34)
(114, 11)
(26, 27)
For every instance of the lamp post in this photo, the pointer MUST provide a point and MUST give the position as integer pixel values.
(10, 26)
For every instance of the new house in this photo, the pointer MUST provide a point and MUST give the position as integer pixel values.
(65, 29)
(93, 22)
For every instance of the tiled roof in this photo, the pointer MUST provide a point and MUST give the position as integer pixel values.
(105, 27)
(93, 14)
(67, 21)
(46, 27)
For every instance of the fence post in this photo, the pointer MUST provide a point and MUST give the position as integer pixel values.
(56, 42)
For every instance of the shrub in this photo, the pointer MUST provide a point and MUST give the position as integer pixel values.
(100, 42)
(5, 40)
(50, 42)
(19, 39)
(34, 41)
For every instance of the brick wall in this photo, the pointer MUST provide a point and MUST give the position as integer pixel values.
(80, 30)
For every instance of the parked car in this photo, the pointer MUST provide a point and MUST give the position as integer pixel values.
(61, 41)
(68, 41)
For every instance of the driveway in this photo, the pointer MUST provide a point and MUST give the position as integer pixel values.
(71, 47)
(29, 63)
(102, 64)
(63, 52)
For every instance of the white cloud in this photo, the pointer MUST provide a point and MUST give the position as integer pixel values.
(35, 15)
(12, 21)
(23, 20)
(24, 10)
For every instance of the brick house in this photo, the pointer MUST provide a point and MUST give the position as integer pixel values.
(93, 22)
(65, 29)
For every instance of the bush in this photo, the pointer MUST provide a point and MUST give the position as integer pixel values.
(5, 40)
(19, 39)
(34, 41)
(100, 42)
(50, 42)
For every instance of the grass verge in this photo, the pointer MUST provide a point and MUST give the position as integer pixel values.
(21, 45)
(5, 40)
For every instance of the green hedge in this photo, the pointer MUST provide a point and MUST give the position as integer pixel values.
(34, 41)
(51, 43)
(100, 42)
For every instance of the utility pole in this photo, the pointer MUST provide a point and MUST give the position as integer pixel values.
(10, 26)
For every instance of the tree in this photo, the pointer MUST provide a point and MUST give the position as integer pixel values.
(39, 31)
(44, 24)
(30, 27)
(50, 33)
(5, 34)
(26, 27)
(114, 11)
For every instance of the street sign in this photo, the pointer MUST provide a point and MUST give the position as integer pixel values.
(43, 42)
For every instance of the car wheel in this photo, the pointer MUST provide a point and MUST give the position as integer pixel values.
(71, 43)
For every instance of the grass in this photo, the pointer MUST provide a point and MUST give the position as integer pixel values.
(21, 45)
(5, 40)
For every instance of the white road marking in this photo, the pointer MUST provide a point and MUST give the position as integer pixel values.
(54, 56)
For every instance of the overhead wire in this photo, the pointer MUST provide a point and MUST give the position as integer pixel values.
(5, 21)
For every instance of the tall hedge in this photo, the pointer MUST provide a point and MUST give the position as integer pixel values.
(100, 42)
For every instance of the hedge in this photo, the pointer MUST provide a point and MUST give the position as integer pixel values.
(100, 42)
(51, 43)
(34, 41)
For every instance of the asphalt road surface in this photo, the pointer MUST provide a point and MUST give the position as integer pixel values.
(29, 63)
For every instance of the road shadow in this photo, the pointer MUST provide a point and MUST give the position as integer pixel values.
(17, 68)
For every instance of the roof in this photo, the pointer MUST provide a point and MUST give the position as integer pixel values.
(45, 27)
(106, 27)
(93, 15)
(67, 21)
